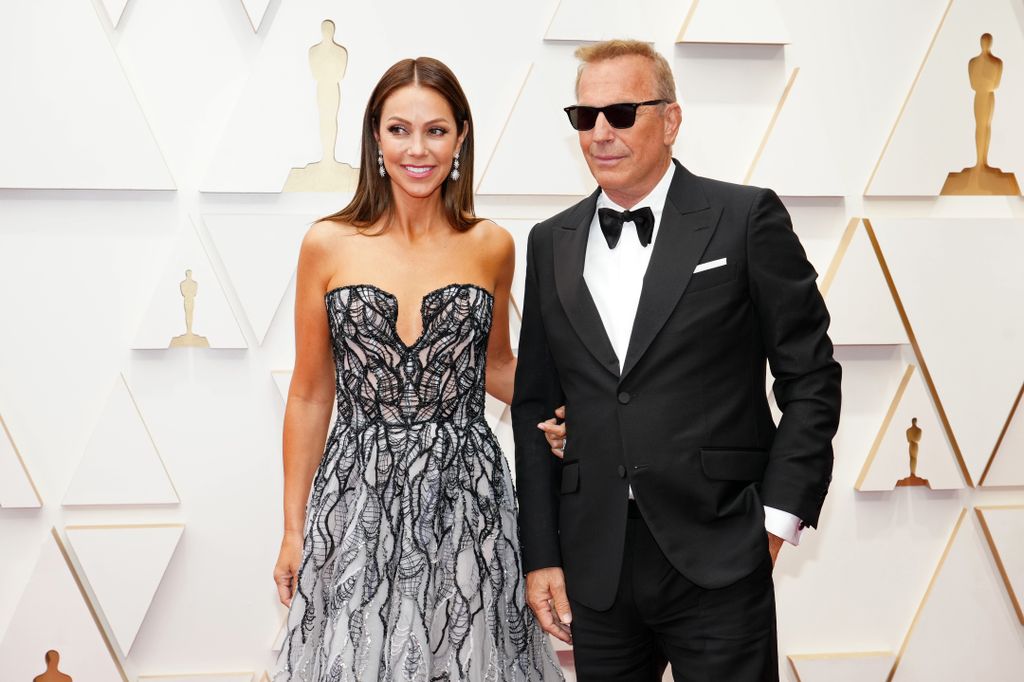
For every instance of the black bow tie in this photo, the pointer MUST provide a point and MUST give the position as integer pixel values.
(611, 224)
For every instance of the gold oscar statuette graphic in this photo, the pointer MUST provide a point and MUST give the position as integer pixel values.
(327, 61)
(52, 674)
(913, 443)
(189, 288)
(985, 71)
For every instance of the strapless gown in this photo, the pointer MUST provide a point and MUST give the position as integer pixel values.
(411, 568)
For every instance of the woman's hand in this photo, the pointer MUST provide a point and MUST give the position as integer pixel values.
(554, 432)
(287, 568)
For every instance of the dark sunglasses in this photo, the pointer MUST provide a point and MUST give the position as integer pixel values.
(622, 115)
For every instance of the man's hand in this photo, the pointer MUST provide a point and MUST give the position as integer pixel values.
(554, 432)
(774, 545)
(545, 593)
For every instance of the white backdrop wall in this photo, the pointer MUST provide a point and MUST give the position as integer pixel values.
(140, 138)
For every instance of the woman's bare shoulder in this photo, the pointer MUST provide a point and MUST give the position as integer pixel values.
(324, 236)
(496, 239)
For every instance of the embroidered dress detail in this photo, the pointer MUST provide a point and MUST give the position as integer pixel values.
(411, 569)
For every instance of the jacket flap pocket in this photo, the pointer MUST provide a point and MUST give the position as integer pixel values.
(727, 464)
(570, 477)
(705, 279)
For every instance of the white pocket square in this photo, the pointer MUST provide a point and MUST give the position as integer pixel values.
(710, 265)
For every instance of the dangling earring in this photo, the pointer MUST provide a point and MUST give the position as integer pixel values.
(380, 163)
(455, 167)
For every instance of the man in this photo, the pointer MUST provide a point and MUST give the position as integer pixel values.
(651, 308)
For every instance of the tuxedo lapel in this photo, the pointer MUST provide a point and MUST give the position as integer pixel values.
(570, 252)
(687, 224)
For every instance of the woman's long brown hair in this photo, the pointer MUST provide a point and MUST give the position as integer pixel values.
(373, 198)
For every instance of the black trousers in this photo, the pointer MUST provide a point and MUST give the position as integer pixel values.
(658, 617)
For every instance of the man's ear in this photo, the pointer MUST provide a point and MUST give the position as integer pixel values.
(673, 120)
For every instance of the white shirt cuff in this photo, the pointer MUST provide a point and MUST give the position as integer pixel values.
(783, 524)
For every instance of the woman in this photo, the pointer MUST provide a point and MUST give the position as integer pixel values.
(407, 566)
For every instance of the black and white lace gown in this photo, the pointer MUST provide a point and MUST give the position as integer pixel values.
(411, 568)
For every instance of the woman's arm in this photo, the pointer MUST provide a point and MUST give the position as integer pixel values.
(501, 363)
(310, 400)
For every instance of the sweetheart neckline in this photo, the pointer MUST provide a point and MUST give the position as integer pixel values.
(423, 302)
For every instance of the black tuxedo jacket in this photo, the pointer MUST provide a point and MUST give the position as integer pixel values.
(685, 419)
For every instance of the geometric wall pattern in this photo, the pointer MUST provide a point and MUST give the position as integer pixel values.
(925, 297)
(533, 123)
(1006, 466)
(797, 157)
(1004, 531)
(282, 379)
(944, 293)
(858, 296)
(53, 613)
(649, 20)
(751, 22)
(114, 10)
(889, 461)
(123, 566)
(258, 276)
(965, 604)
(254, 10)
(189, 278)
(106, 143)
(16, 486)
(872, 666)
(935, 132)
(121, 464)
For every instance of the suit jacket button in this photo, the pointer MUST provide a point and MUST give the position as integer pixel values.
(622, 471)
(624, 398)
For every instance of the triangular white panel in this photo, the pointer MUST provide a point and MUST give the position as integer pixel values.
(858, 297)
(960, 285)
(515, 322)
(124, 566)
(591, 20)
(282, 634)
(121, 464)
(1004, 530)
(53, 614)
(964, 629)
(889, 460)
(259, 252)
(873, 666)
(280, 95)
(255, 9)
(726, 110)
(734, 21)
(17, 491)
(520, 231)
(115, 8)
(282, 379)
(213, 318)
(797, 156)
(58, 59)
(534, 124)
(934, 134)
(1007, 467)
(484, 163)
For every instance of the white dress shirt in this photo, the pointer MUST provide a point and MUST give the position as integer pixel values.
(615, 278)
